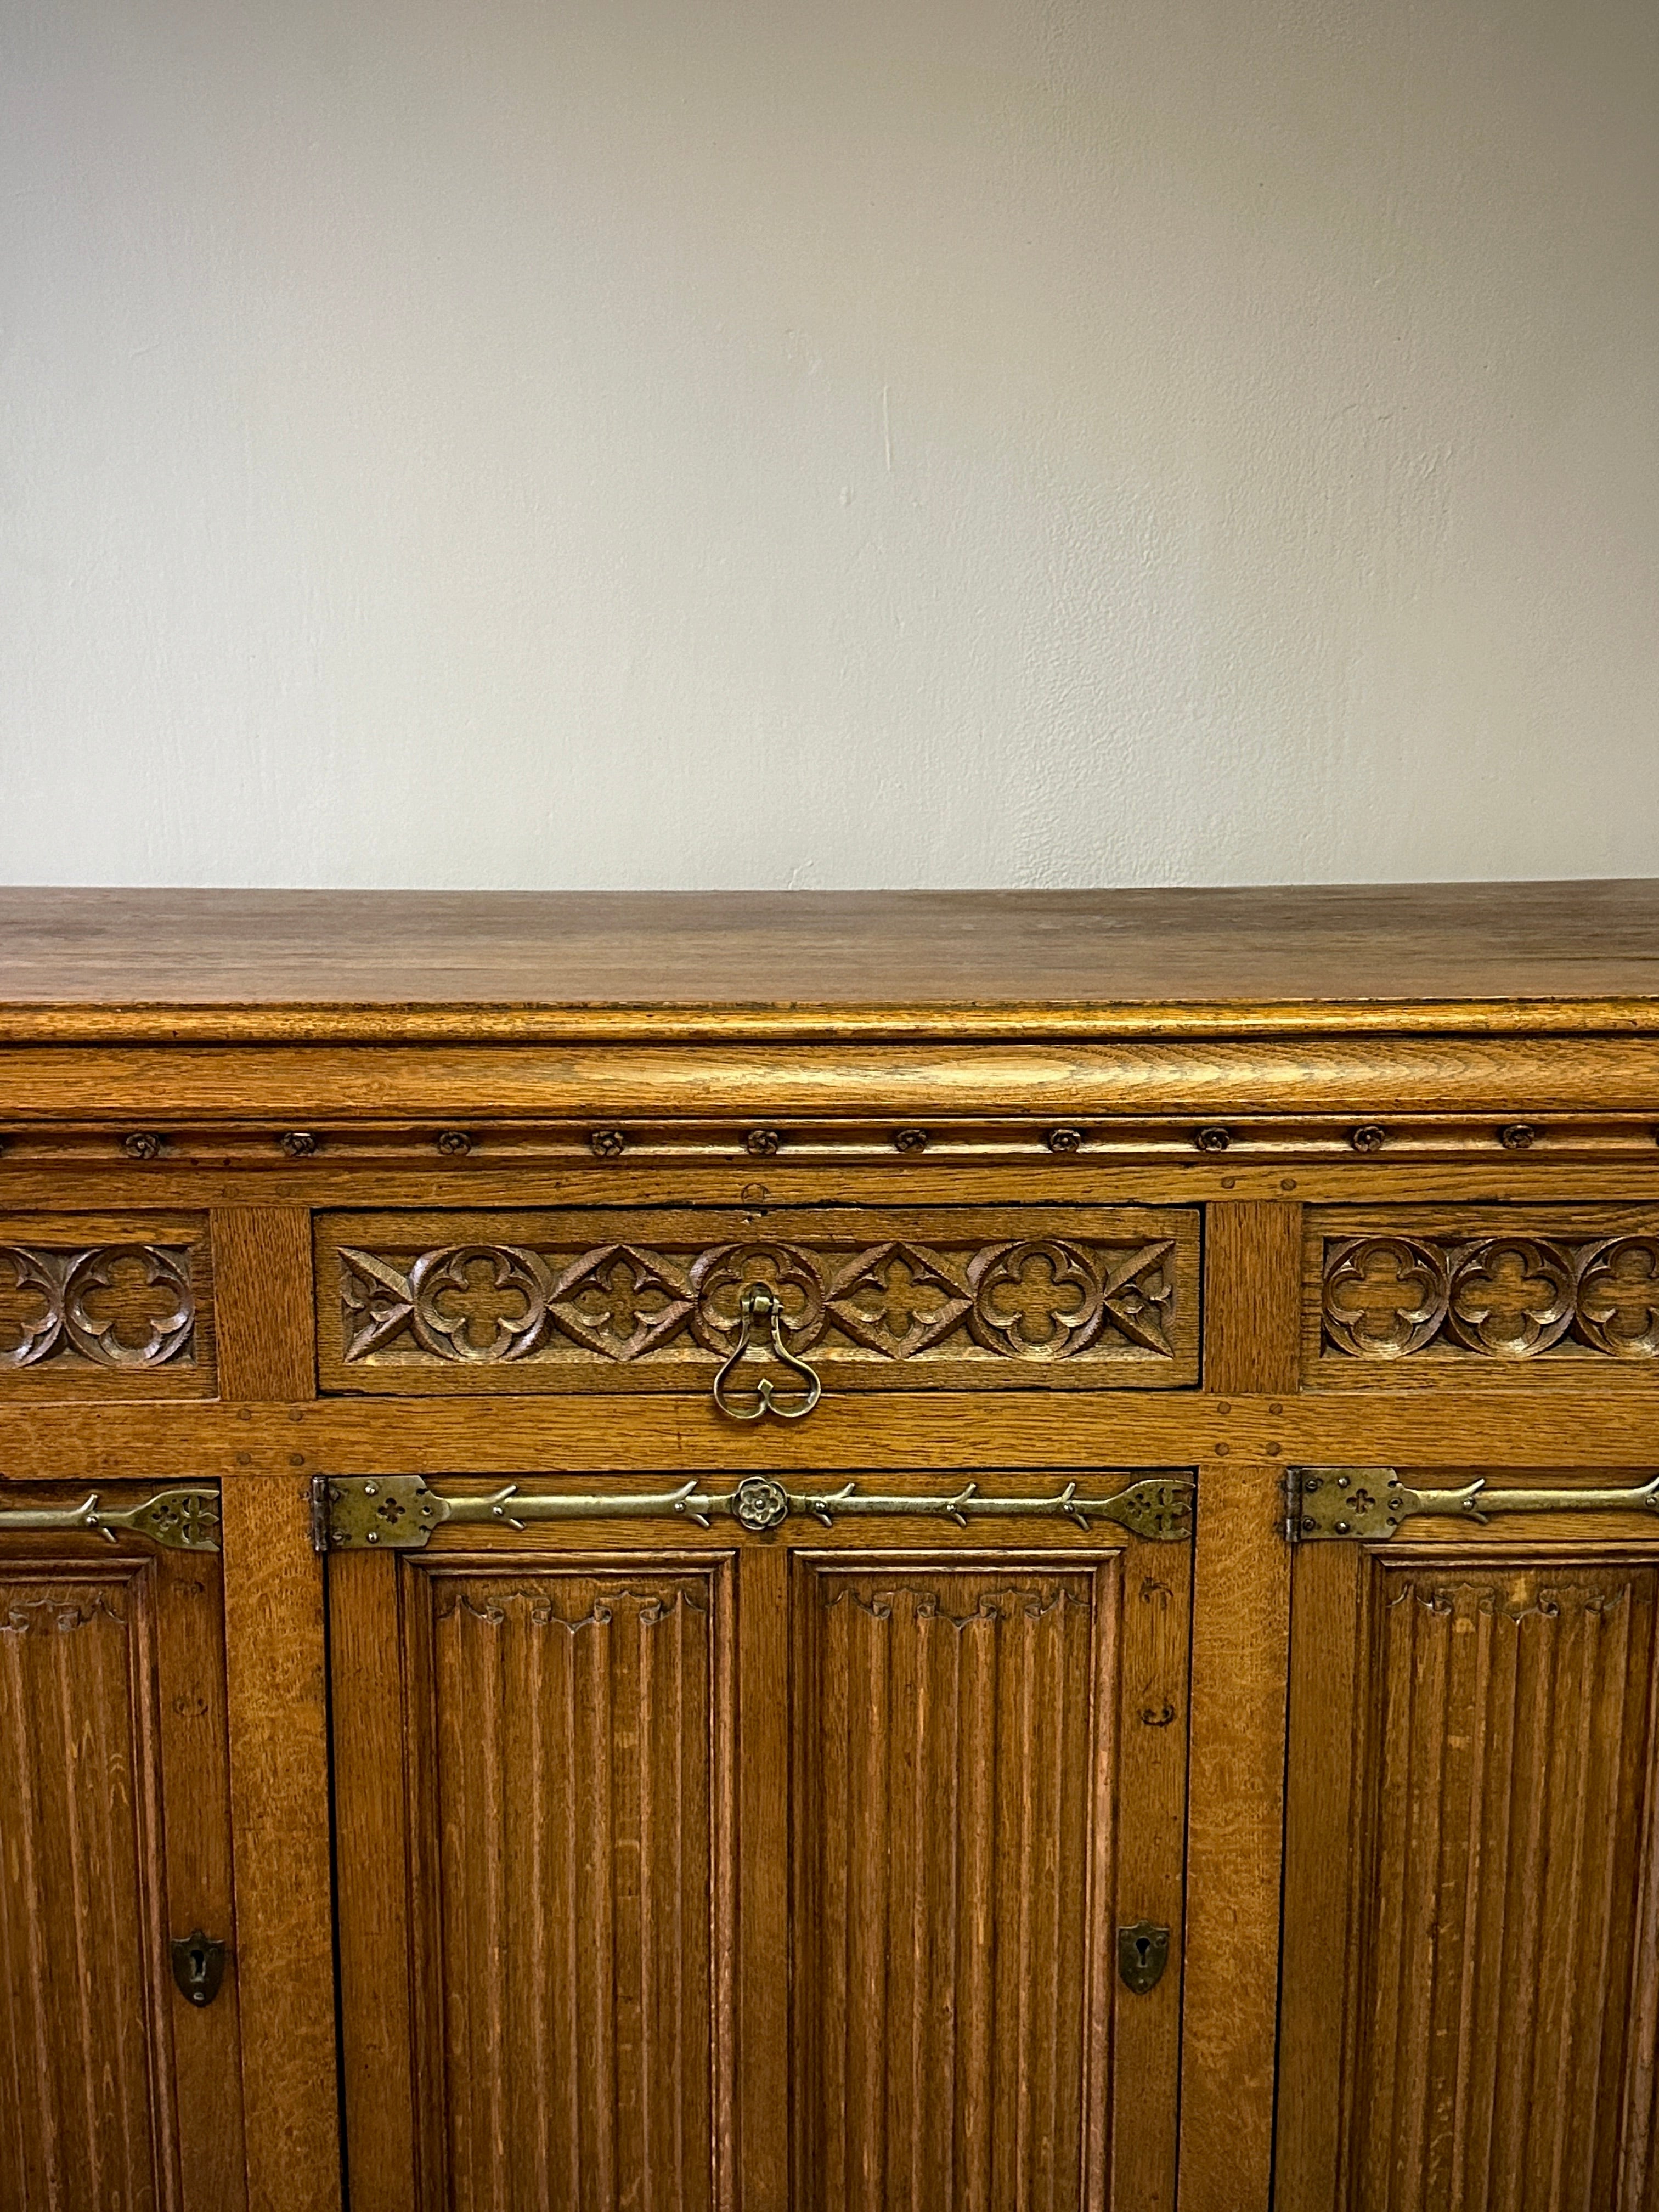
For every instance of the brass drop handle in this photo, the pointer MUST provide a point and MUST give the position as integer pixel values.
(198, 1967)
(761, 1315)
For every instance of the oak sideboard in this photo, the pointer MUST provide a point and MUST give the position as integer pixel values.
(826, 1553)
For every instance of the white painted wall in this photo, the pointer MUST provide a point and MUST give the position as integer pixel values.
(830, 442)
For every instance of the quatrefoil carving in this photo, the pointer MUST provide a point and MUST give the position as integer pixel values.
(115, 1305)
(1514, 1297)
(1030, 1299)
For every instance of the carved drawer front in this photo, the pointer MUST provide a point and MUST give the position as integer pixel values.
(105, 1306)
(1395, 1297)
(1074, 1298)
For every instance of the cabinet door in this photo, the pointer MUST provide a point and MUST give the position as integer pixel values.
(780, 1861)
(117, 2092)
(1471, 1983)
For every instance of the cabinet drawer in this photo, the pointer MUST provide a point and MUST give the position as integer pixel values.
(1512, 1295)
(1070, 1297)
(105, 1306)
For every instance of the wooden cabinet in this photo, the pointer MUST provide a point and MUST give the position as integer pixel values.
(1471, 1970)
(986, 1555)
(119, 2035)
(750, 1864)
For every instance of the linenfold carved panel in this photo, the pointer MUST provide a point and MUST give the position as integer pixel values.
(572, 1737)
(81, 1875)
(1411, 1294)
(988, 1779)
(109, 1304)
(947, 1926)
(1504, 1915)
(609, 1301)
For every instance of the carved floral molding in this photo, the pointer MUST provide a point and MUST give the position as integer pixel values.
(1041, 1299)
(1394, 1296)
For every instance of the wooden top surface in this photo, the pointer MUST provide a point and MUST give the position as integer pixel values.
(291, 965)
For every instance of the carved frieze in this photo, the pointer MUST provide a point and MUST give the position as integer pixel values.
(666, 1304)
(1393, 1294)
(129, 1307)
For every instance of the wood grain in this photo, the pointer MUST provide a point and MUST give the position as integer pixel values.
(262, 1273)
(984, 1790)
(378, 1997)
(1241, 1633)
(483, 2052)
(755, 1881)
(1470, 2002)
(106, 1306)
(1351, 1051)
(1126, 1428)
(117, 1838)
(1379, 953)
(566, 1868)
(36, 1172)
(193, 1732)
(1253, 1296)
(1329, 1715)
(1350, 1077)
(533, 1985)
(944, 1845)
(621, 1300)
(1481, 1297)
(280, 1810)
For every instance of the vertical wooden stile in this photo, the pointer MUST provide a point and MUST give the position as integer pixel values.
(1241, 1642)
(276, 1670)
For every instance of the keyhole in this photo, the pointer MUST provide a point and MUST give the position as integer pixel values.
(1142, 1948)
(198, 1965)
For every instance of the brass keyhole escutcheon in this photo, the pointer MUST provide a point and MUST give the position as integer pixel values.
(761, 1331)
(198, 1967)
(1143, 1953)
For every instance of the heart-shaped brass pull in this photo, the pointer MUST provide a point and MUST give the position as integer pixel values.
(761, 1313)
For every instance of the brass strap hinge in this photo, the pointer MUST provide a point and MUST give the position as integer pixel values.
(399, 1512)
(179, 1520)
(1366, 1504)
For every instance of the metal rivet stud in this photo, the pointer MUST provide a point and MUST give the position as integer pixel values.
(298, 1144)
(141, 1144)
(607, 1143)
(911, 1140)
(763, 1143)
(1519, 1137)
(1064, 1140)
(453, 1142)
(1368, 1137)
(1213, 1140)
